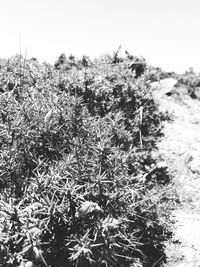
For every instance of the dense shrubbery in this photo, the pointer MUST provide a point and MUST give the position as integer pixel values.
(156, 74)
(189, 83)
(79, 186)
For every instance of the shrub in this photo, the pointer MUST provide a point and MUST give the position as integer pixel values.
(189, 83)
(78, 184)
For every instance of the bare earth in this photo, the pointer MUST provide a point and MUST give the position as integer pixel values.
(181, 150)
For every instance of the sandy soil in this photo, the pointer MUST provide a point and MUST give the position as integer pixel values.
(180, 148)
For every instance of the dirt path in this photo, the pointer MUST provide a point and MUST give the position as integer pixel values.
(181, 150)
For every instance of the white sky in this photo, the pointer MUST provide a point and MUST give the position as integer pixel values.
(165, 32)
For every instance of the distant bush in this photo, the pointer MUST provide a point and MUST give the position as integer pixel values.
(190, 81)
(79, 186)
(156, 74)
(66, 64)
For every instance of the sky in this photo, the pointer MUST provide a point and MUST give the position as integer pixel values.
(165, 32)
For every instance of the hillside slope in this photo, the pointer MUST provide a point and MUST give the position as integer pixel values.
(181, 149)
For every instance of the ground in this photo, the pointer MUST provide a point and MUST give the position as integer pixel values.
(180, 148)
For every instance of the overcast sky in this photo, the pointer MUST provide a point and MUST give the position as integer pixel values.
(165, 32)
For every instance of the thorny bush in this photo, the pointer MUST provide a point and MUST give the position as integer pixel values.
(79, 185)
